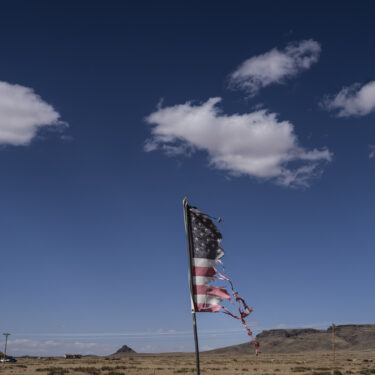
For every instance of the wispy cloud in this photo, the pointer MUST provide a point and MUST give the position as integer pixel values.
(354, 100)
(371, 154)
(22, 113)
(275, 66)
(156, 333)
(255, 144)
(101, 343)
(19, 347)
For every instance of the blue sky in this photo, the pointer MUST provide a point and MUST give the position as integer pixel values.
(109, 116)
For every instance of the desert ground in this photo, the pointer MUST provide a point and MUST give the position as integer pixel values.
(313, 363)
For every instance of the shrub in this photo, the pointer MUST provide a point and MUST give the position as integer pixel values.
(54, 370)
(58, 371)
(87, 370)
(300, 369)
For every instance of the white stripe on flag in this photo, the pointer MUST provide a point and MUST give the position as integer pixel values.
(203, 262)
(202, 280)
(210, 300)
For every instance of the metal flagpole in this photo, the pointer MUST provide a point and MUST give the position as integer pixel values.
(333, 345)
(190, 254)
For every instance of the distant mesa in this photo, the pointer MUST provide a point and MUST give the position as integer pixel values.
(347, 337)
(124, 350)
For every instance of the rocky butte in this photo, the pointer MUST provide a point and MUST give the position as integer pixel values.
(124, 350)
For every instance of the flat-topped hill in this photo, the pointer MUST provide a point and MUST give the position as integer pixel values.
(347, 337)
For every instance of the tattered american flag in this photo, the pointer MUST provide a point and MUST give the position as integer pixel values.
(205, 253)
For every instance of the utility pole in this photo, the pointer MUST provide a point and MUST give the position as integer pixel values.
(5, 347)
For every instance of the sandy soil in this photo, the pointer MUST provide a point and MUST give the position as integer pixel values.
(168, 364)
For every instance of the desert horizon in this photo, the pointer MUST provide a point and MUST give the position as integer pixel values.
(187, 187)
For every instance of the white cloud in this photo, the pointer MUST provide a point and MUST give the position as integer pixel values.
(371, 154)
(163, 331)
(22, 113)
(20, 347)
(275, 66)
(255, 144)
(207, 347)
(354, 100)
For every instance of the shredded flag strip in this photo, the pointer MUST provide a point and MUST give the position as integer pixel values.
(205, 257)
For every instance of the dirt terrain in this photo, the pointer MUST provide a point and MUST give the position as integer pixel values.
(307, 363)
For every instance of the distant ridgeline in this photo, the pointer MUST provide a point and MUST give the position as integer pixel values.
(347, 337)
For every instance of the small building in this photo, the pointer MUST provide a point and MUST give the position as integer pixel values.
(72, 356)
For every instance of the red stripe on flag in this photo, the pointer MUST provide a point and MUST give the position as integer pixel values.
(204, 271)
(204, 307)
(211, 291)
